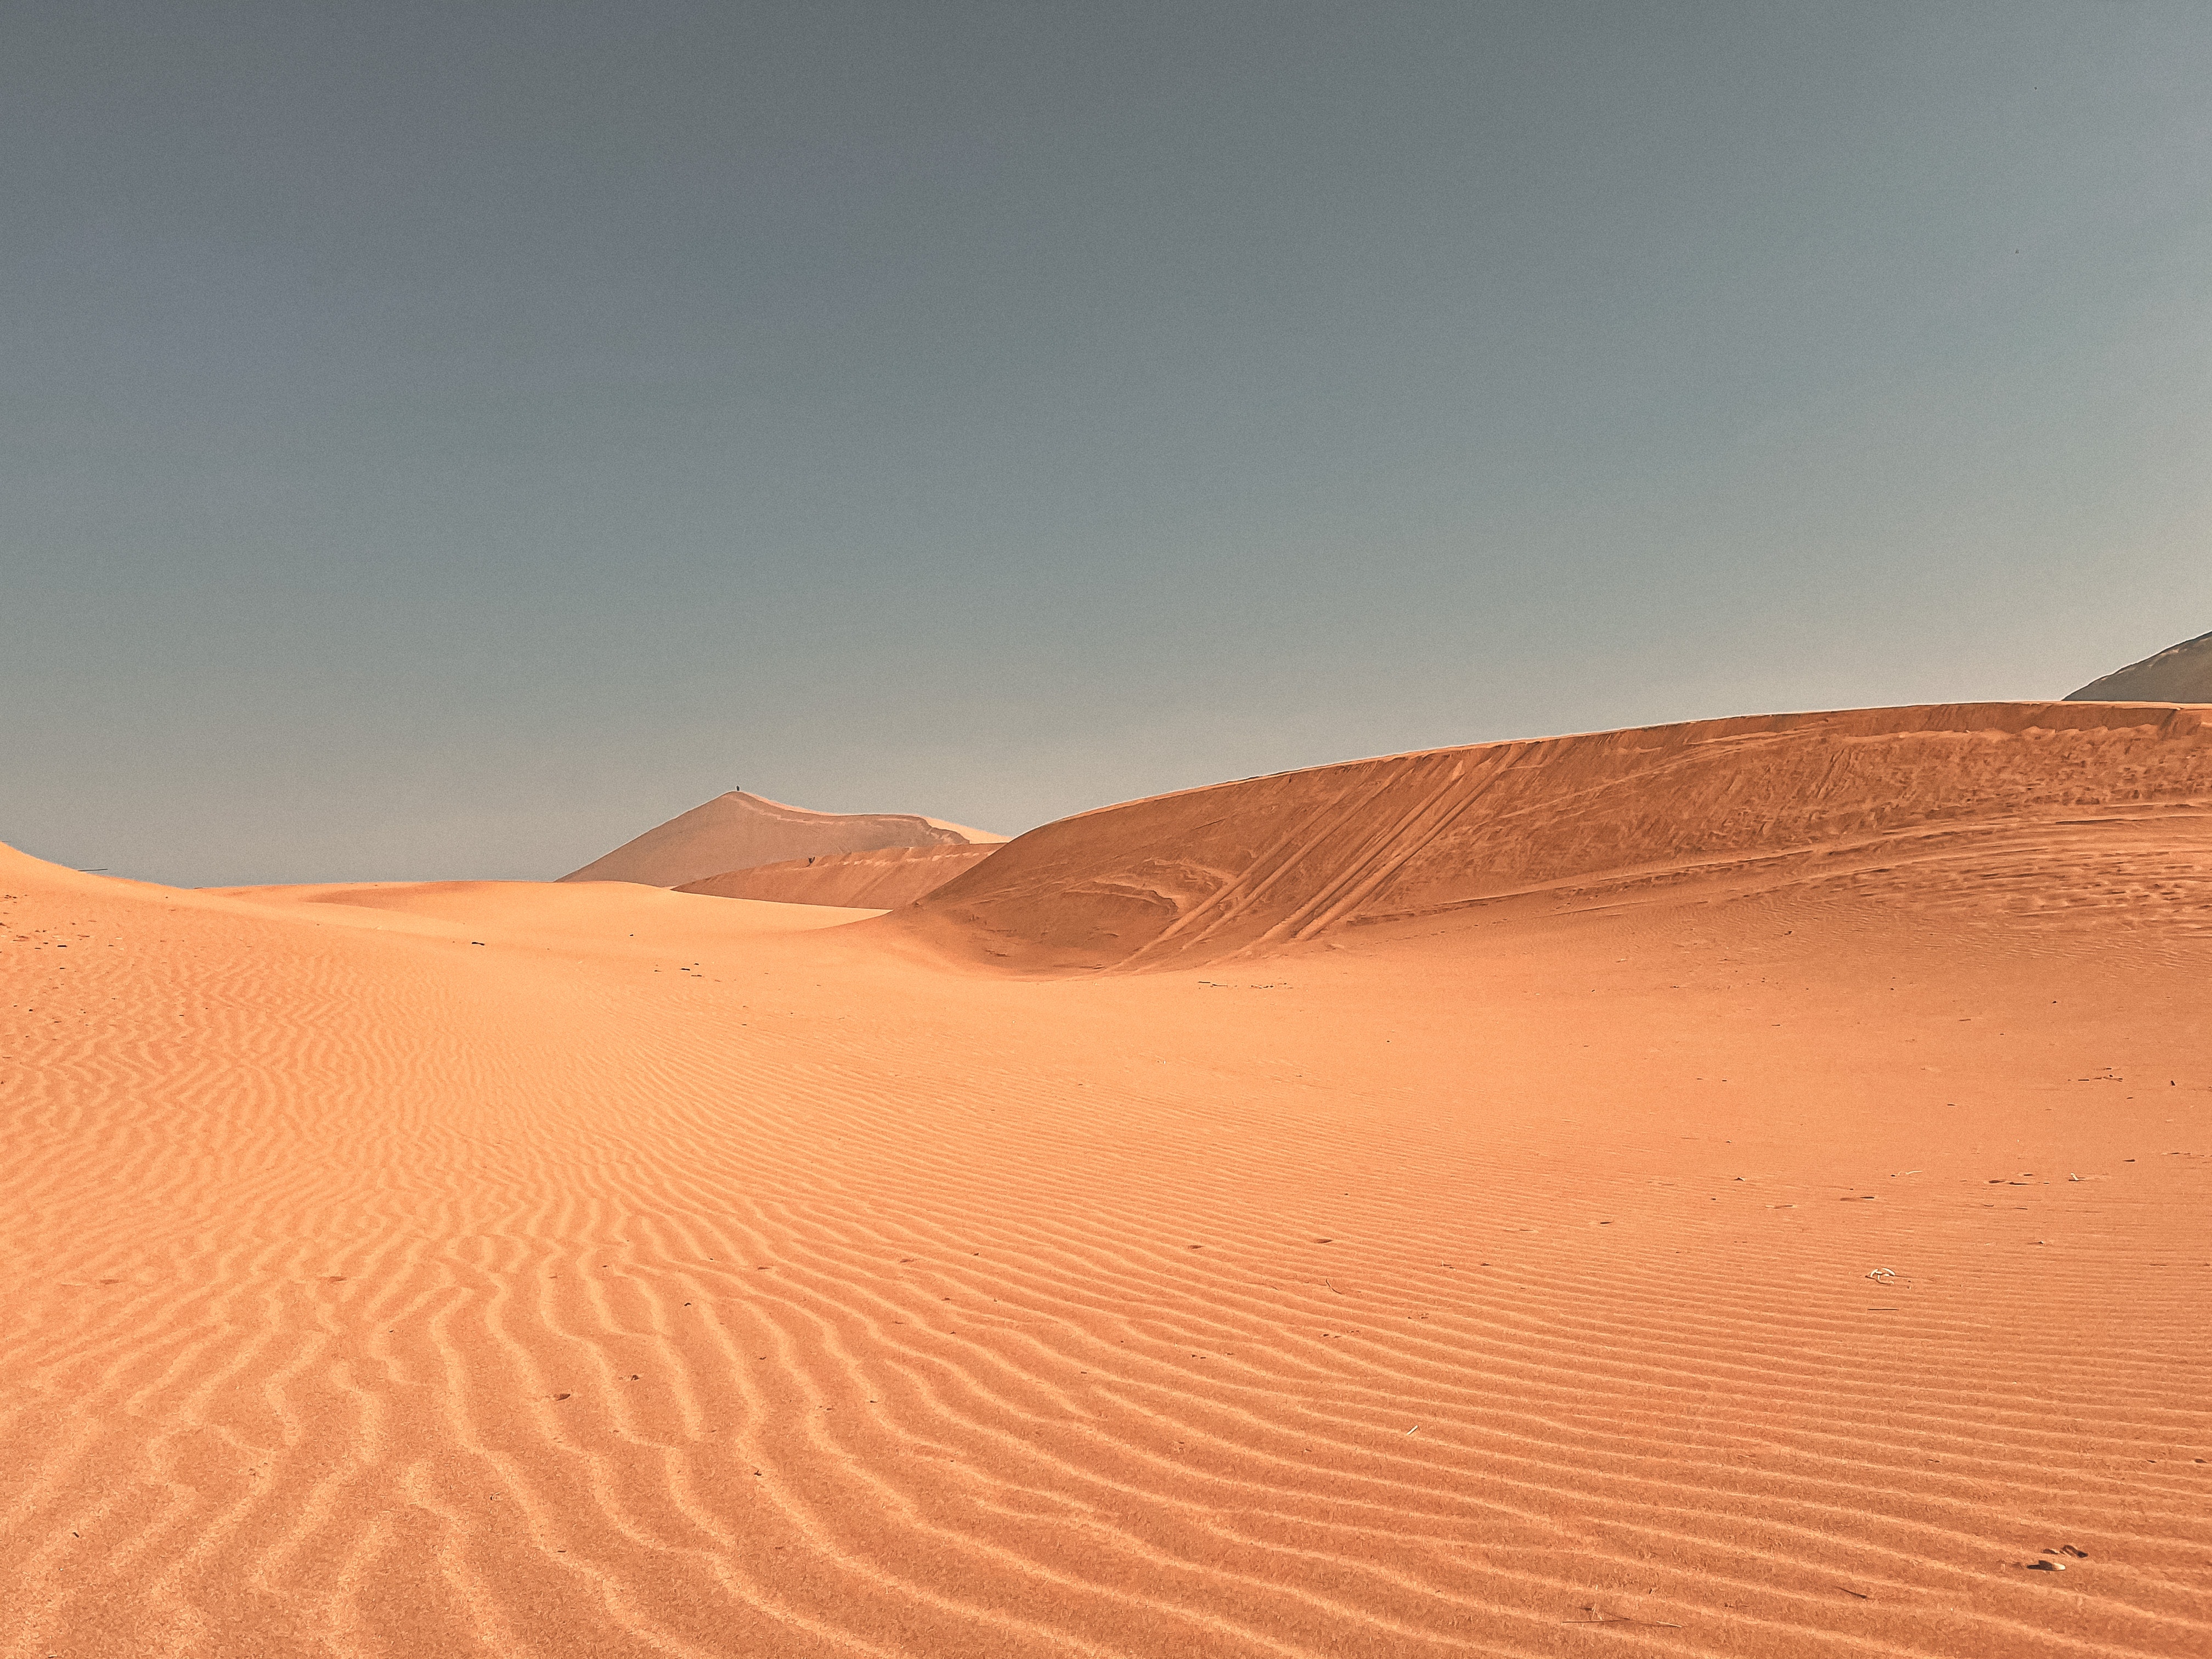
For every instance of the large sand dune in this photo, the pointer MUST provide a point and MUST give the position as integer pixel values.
(1772, 1236)
(1274, 861)
(882, 879)
(737, 830)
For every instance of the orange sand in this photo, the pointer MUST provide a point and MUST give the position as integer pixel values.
(1767, 1250)
(883, 879)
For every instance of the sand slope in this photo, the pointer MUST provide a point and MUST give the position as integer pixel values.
(2180, 673)
(737, 830)
(1269, 862)
(604, 916)
(1725, 1265)
(883, 879)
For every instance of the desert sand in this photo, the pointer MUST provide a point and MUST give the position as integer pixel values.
(886, 878)
(737, 830)
(1736, 1188)
(2180, 673)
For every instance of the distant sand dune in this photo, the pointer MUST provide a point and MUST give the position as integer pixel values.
(1274, 861)
(737, 830)
(2180, 673)
(1738, 1190)
(883, 879)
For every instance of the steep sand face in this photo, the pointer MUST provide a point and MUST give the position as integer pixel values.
(883, 879)
(738, 830)
(1270, 862)
(2180, 673)
(1774, 1259)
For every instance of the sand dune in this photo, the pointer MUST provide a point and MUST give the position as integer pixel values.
(737, 830)
(883, 879)
(2180, 673)
(1269, 862)
(1769, 1237)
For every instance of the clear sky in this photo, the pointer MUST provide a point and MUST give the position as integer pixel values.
(447, 439)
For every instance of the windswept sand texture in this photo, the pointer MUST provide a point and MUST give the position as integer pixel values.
(1770, 1243)
(2180, 673)
(737, 830)
(885, 879)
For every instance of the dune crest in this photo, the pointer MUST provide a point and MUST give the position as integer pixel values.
(883, 878)
(1275, 862)
(737, 830)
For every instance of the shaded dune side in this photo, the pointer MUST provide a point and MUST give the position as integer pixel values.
(884, 879)
(738, 830)
(1269, 862)
(2180, 673)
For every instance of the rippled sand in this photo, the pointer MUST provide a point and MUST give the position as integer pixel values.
(1772, 1246)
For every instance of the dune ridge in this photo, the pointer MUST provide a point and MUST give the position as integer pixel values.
(1269, 862)
(1725, 1262)
(737, 830)
(883, 878)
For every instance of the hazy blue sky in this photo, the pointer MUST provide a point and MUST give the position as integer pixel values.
(444, 440)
